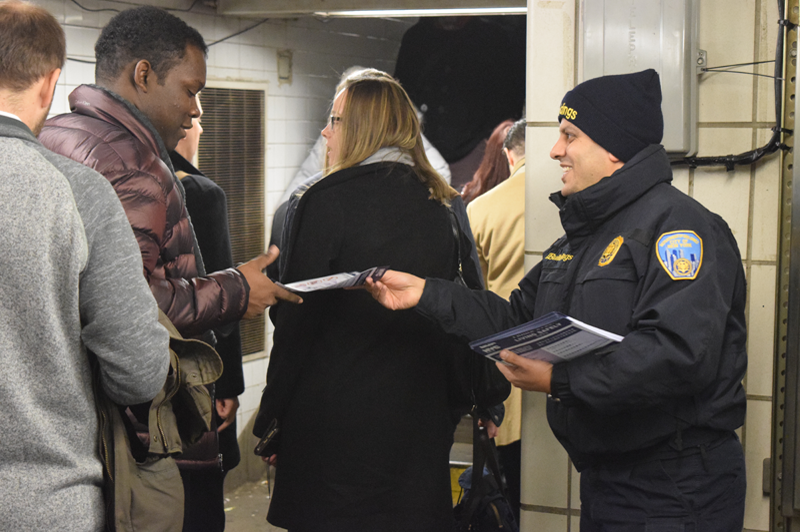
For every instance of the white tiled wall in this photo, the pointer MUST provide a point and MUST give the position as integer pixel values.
(296, 112)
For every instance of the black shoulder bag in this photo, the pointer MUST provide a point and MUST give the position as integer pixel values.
(484, 506)
(474, 380)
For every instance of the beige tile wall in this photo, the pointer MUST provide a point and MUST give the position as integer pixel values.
(735, 113)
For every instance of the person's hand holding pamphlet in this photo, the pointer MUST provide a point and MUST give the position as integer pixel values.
(553, 338)
(338, 280)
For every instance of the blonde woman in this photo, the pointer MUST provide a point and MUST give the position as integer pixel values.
(360, 392)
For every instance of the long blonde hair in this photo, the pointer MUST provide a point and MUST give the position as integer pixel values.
(378, 113)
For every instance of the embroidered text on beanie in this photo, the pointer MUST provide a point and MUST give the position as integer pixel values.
(621, 113)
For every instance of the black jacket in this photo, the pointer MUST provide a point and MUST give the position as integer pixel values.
(207, 206)
(681, 363)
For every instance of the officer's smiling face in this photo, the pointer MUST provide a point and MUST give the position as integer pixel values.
(583, 161)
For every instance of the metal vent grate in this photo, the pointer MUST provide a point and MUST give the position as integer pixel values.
(231, 153)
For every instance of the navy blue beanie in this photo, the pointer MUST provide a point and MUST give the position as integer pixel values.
(620, 113)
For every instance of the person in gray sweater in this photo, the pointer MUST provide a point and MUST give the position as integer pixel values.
(70, 283)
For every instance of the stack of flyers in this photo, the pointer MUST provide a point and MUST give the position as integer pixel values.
(553, 338)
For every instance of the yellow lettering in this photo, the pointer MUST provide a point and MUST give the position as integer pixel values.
(567, 112)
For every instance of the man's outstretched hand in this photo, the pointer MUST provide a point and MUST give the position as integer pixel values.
(397, 290)
(263, 292)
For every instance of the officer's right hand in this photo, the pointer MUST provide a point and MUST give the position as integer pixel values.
(263, 292)
(396, 290)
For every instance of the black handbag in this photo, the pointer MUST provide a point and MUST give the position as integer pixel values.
(474, 381)
(484, 506)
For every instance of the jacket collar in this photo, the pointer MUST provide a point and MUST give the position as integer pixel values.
(102, 104)
(519, 164)
(181, 164)
(9, 127)
(581, 213)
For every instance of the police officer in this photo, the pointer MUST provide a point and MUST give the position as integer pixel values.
(650, 422)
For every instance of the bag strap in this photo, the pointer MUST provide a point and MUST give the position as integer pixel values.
(457, 235)
(483, 453)
(490, 455)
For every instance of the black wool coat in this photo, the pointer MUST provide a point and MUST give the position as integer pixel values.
(361, 391)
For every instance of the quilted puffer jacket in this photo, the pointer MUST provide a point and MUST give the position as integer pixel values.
(108, 134)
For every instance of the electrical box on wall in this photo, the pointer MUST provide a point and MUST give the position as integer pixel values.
(623, 36)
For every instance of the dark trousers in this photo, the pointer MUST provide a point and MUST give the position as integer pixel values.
(695, 490)
(204, 507)
(509, 457)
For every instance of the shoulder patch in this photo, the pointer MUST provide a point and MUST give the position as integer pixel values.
(611, 251)
(680, 254)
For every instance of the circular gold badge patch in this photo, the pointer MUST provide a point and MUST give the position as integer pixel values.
(610, 251)
(683, 267)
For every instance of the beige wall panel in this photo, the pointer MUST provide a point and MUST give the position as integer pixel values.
(539, 522)
(545, 464)
(726, 32)
(761, 330)
(543, 177)
(575, 492)
(551, 60)
(766, 204)
(680, 178)
(725, 193)
(767, 38)
(532, 260)
(757, 447)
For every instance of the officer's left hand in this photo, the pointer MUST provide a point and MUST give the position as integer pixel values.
(531, 375)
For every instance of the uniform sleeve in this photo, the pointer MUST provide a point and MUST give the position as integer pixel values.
(473, 314)
(685, 334)
(119, 314)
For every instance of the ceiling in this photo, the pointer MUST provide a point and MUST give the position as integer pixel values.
(286, 8)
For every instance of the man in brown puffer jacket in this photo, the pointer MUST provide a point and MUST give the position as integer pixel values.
(150, 66)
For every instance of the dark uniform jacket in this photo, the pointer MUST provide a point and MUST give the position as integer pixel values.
(106, 133)
(643, 260)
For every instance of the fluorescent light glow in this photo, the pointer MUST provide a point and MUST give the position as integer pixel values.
(379, 13)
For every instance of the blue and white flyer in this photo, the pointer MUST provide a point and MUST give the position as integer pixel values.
(553, 338)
